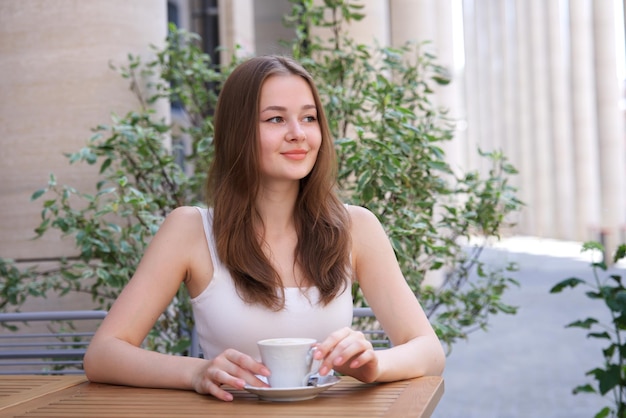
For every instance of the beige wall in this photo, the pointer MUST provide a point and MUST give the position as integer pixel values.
(236, 27)
(268, 26)
(55, 85)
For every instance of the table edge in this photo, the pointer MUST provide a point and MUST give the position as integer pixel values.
(405, 405)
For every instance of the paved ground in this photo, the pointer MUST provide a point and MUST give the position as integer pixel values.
(526, 364)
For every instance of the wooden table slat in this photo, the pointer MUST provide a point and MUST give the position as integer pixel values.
(25, 388)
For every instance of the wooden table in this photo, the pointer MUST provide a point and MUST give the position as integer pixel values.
(74, 396)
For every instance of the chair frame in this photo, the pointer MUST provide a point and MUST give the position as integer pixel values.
(25, 352)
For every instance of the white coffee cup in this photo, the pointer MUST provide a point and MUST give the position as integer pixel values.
(290, 361)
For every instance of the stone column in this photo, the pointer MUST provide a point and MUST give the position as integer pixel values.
(525, 119)
(236, 26)
(612, 145)
(584, 126)
(374, 28)
(494, 74)
(561, 127)
(484, 86)
(432, 20)
(472, 93)
(542, 145)
(56, 85)
(511, 119)
(412, 20)
(450, 96)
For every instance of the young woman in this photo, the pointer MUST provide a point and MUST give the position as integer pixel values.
(274, 256)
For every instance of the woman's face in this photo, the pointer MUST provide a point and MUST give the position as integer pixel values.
(289, 131)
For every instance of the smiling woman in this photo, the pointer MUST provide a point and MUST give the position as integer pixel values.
(275, 255)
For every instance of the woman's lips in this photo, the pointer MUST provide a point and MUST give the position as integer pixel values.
(295, 154)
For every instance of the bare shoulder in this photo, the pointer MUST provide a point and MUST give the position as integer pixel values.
(362, 217)
(188, 212)
(372, 255)
(181, 241)
(184, 217)
(182, 228)
(366, 230)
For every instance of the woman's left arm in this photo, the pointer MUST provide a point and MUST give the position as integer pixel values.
(416, 350)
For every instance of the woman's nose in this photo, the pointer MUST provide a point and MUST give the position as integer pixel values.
(295, 132)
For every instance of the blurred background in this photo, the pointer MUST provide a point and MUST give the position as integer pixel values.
(541, 81)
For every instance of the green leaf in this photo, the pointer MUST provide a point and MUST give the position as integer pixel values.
(616, 301)
(584, 389)
(38, 194)
(106, 164)
(594, 295)
(592, 246)
(604, 335)
(571, 282)
(620, 253)
(603, 413)
(181, 345)
(586, 324)
(367, 193)
(607, 379)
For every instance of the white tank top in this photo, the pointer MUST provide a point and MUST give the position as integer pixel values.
(223, 320)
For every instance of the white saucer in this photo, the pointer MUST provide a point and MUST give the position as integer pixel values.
(293, 394)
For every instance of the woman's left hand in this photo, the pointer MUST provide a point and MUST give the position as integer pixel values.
(350, 353)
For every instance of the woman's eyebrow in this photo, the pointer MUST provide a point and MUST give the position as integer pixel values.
(282, 108)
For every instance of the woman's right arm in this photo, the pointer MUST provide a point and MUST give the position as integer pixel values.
(176, 253)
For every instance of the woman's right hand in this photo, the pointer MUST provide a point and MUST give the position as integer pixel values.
(231, 368)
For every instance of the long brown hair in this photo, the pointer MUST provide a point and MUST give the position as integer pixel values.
(322, 222)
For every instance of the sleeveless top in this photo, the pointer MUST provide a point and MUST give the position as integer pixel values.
(223, 320)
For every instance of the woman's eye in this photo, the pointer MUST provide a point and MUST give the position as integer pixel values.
(275, 119)
(310, 118)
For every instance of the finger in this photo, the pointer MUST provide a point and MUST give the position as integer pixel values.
(220, 393)
(212, 384)
(236, 369)
(245, 362)
(346, 353)
(356, 347)
(331, 348)
(325, 347)
(362, 359)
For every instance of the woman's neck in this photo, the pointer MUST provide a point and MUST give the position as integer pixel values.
(275, 207)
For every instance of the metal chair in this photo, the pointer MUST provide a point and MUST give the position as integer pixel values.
(365, 321)
(56, 347)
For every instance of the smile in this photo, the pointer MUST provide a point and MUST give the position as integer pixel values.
(295, 155)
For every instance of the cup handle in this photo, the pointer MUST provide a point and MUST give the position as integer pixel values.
(314, 367)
